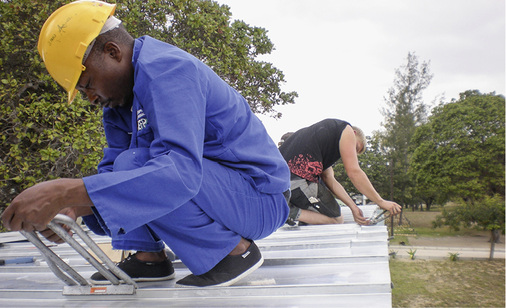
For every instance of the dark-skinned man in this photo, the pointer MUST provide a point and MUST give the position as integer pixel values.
(187, 164)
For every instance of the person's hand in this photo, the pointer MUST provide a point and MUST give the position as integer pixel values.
(34, 207)
(358, 216)
(51, 236)
(390, 206)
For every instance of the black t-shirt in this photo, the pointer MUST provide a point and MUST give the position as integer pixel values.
(313, 149)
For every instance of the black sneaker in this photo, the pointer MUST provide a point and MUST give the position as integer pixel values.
(228, 271)
(140, 270)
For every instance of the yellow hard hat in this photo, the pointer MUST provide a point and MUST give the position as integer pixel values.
(66, 35)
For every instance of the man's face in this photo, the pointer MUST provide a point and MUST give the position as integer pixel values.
(108, 79)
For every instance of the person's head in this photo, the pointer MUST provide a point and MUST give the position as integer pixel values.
(284, 137)
(85, 48)
(360, 138)
(109, 78)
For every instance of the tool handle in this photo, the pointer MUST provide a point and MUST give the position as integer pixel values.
(17, 260)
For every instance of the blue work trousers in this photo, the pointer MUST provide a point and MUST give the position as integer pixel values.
(204, 230)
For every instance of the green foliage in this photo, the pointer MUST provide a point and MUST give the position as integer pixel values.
(388, 154)
(454, 256)
(411, 254)
(375, 164)
(203, 29)
(42, 137)
(460, 151)
(486, 214)
(404, 112)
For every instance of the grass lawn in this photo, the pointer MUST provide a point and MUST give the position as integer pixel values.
(420, 224)
(443, 283)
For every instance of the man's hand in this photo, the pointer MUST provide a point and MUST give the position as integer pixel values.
(390, 206)
(33, 208)
(36, 206)
(358, 216)
(53, 237)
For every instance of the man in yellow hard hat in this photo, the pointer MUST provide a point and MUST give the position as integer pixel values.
(187, 165)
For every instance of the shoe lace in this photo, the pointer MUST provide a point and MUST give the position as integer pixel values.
(128, 258)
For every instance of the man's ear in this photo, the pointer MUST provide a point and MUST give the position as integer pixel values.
(113, 50)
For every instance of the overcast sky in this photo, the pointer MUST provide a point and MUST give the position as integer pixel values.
(340, 56)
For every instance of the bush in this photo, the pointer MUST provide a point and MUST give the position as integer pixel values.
(42, 136)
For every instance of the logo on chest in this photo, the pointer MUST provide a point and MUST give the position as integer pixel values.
(142, 120)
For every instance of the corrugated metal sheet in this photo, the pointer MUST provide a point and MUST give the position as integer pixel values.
(328, 266)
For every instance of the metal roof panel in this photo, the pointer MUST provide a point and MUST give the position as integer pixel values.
(331, 265)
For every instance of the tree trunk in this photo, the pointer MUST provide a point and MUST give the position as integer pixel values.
(493, 239)
(497, 235)
(392, 195)
(391, 180)
(391, 227)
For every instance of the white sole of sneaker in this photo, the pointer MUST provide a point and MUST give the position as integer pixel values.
(142, 279)
(244, 274)
(231, 281)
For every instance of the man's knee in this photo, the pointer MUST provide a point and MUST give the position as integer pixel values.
(339, 220)
(131, 159)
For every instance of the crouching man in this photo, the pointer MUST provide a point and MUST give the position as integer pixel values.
(187, 164)
(310, 153)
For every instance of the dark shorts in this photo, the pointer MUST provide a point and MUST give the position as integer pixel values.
(313, 196)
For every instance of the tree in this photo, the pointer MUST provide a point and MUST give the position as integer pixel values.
(427, 188)
(44, 138)
(404, 112)
(460, 152)
(203, 29)
(375, 164)
(485, 214)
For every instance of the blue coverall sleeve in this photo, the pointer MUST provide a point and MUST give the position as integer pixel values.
(174, 102)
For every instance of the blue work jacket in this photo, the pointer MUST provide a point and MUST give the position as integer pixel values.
(183, 113)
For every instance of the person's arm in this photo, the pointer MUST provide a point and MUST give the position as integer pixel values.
(36, 206)
(338, 190)
(347, 148)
